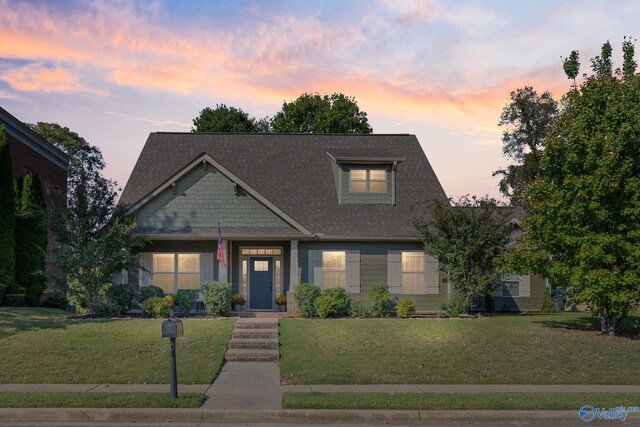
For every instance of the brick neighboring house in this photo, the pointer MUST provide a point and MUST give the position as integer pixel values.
(334, 210)
(32, 153)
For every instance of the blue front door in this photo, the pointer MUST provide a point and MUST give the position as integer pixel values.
(261, 283)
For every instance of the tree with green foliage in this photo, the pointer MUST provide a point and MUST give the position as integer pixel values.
(227, 119)
(467, 239)
(31, 237)
(528, 117)
(7, 214)
(583, 227)
(94, 238)
(312, 113)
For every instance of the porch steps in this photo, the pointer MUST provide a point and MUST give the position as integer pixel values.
(254, 339)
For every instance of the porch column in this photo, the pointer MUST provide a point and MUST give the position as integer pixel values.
(293, 265)
(223, 272)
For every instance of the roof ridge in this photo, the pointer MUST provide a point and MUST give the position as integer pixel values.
(280, 133)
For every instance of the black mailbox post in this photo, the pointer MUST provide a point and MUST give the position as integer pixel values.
(172, 328)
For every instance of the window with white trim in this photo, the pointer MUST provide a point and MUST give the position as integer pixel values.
(367, 181)
(509, 287)
(412, 280)
(173, 271)
(333, 269)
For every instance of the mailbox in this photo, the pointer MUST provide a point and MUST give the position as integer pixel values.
(172, 328)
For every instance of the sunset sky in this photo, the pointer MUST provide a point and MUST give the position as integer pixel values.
(116, 71)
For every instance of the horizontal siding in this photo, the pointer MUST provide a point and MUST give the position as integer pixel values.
(530, 303)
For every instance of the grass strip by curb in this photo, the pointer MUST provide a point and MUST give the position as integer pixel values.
(98, 400)
(457, 401)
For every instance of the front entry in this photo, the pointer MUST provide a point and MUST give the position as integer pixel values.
(261, 283)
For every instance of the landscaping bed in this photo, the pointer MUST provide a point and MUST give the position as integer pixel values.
(561, 348)
(41, 345)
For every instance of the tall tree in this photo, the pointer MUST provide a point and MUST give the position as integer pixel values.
(468, 238)
(31, 236)
(312, 113)
(7, 214)
(528, 117)
(583, 231)
(95, 240)
(225, 119)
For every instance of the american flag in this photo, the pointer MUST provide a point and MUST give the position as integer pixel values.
(220, 255)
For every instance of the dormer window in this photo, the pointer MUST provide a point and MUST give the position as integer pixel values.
(367, 181)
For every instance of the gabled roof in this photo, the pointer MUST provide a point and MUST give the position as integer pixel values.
(23, 134)
(294, 172)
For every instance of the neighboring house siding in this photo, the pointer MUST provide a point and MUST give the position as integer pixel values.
(204, 198)
(530, 303)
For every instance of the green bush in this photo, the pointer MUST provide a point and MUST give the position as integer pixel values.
(147, 292)
(306, 296)
(3, 293)
(217, 298)
(56, 299)
(333, 302)
(360, 308)
(379, 297)
(156, 307)
(118, 298)
(456, 304)
(16, 300)
(547, 305)
(405, 307)
(489, 304)
(185, 298)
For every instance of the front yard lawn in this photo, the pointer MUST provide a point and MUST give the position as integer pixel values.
(561, 348)
(99, 400)
(39, 345)
(458, 401)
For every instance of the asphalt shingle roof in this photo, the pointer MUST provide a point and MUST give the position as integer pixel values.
(294, 172)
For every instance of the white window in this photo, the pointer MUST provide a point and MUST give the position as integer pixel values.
(509, 287)
(333, 269)
(176, 271)
(367, 181)
(412, 280)
(269, 251)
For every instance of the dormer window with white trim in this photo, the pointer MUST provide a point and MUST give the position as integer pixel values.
(367, 181)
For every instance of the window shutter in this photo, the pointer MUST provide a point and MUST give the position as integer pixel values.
(352, 272)
(525, 286)
(431, 275)
(145, 277)
(315, 267)
(394, 271)
(206, 267)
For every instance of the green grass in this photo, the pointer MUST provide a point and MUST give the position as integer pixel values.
(39, 345)
(504, 349)
(99, 400)
(457, 401)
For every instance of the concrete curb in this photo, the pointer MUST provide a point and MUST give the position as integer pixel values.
(555, 418)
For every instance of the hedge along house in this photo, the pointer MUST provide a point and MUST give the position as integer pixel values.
(329, 209)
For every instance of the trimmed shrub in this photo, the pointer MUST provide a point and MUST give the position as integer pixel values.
(185, 298)
(405, 307)
(7, 214)
(547, 304)
(3, 293)
(56, 299)
(489, 304)
(306, 296)
(360, 308)
(379, 297)
(333, 302)
(456, 304)
(147, 292)
(156, 307)
(118, 298)
(217, 298)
